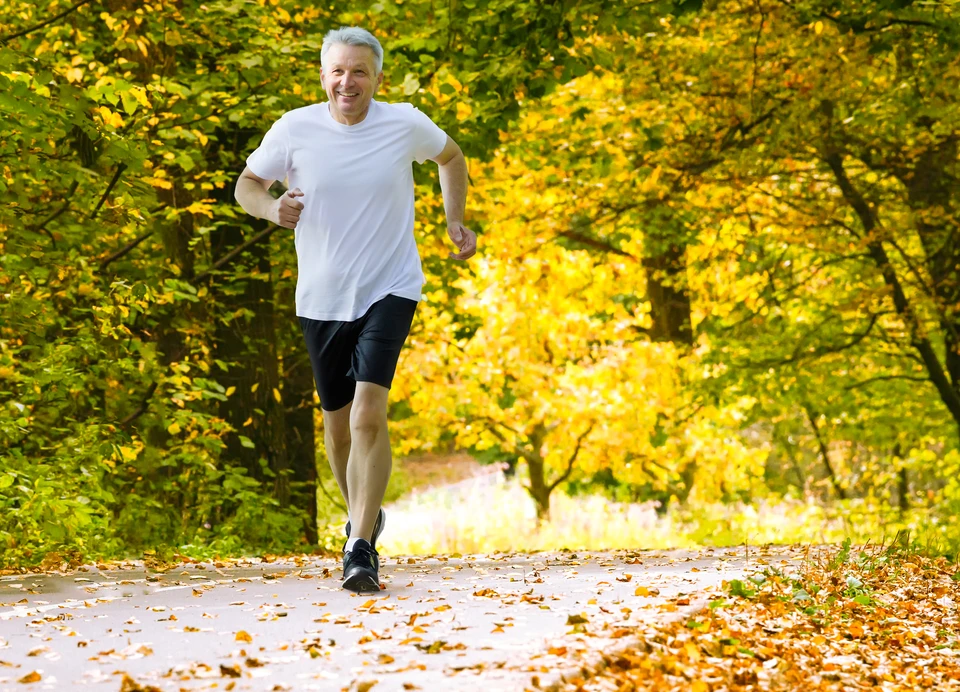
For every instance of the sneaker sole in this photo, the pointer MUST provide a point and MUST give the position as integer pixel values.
(361, 583)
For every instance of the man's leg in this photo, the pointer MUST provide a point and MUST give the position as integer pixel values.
(336, 439)
(330, 346)
(369, 460)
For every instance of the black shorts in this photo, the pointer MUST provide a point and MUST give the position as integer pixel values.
(364, 350)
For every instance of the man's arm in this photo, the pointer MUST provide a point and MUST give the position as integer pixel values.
(453, 184)
(253, 196)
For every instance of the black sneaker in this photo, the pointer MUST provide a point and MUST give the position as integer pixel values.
(360, 568)
(377, 528)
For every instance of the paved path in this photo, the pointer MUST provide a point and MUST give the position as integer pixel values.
(506, 622)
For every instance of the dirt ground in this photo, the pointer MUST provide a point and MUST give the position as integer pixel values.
(431, 470)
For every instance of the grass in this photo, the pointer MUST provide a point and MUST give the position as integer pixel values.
(490, 514)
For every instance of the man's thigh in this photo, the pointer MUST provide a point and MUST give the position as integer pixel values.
(331, 346)
(382, 334)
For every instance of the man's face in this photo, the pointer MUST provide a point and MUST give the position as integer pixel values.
(349, 76)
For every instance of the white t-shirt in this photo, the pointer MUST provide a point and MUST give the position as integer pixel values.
(354, 240)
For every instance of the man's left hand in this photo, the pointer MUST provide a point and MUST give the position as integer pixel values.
(464, 239)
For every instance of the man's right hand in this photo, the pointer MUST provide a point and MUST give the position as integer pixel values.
(288, 208)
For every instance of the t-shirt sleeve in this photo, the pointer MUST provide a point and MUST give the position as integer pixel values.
(271, 160)
(428, 139)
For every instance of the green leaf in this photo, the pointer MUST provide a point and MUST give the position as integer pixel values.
(739, 589)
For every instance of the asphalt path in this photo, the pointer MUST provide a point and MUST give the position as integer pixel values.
(504, 621)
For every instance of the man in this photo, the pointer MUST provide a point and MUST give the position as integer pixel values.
(350, 201)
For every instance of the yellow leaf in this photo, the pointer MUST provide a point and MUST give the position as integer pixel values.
(255, 387)
(31, 677)
(276, 395)
(140, 94)
(463, 110)
(454, 82)
(243, 636)
(109, 117)
(818, 28)
(173, 428)
(641, 591)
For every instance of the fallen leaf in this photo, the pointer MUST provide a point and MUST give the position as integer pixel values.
(231, 671)
(128, 684)
(243, 636)
(31, 677)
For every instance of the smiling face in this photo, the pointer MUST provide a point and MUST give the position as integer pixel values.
(349, 76)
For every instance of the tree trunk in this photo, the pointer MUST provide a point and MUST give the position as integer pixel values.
(298, 395)
(538, 489)
(903, 481)
(825, 454)
(246, 340)
(665, 263)
(929, 192)
(936, 371)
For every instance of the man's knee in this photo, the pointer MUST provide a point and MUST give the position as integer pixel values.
(367, 419)
(337, 437)
(336, 429)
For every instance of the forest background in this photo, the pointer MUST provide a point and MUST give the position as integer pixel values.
(718, 267)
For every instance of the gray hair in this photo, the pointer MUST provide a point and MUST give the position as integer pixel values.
(353, 36)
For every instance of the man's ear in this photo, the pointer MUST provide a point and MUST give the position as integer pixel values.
(380, 80)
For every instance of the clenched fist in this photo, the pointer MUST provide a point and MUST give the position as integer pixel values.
(288, 208)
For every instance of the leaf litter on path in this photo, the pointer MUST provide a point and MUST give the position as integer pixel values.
(875, 620)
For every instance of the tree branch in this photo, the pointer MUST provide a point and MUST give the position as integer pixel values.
(63, 14)
(121, 167)
(571, 460)
(262, 235)
(124, 250)
(938, 375)
(882, 378)
(824, 453)
(42, 226)
(584, 239)
(141, 409)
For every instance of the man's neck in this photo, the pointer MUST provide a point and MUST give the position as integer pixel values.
(344, 119)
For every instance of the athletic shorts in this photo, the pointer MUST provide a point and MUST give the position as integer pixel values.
(364, 350)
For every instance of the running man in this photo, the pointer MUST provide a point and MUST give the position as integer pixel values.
(350, 201)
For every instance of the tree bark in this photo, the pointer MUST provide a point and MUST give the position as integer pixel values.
(298, 398)
(665, 263)
(825, 454)
(538, 488)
